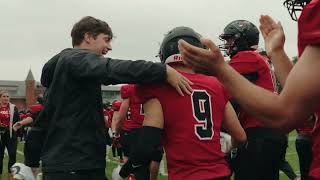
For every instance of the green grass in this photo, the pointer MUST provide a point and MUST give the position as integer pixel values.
(291, 157)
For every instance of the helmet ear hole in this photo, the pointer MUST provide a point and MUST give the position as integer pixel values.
(238, 35)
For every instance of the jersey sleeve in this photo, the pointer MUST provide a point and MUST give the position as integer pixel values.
(35, 108)
(125, 91)
(144, 93)
(116, 105)
(309, 29)
(245, 65)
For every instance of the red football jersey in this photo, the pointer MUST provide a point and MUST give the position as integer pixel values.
(192, 127)
(106, 117)
(35, 108)
(109, 115)
(116, 107)
(22, 116)
(307, 126)
(309, 34)
(308, 26)
(134, 115)
(5, 116)
(28, 115)
(246, 62)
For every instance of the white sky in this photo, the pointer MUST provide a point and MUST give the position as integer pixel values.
(32, 31)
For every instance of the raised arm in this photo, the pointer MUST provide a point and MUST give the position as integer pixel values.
(299, 98)
(274, 39)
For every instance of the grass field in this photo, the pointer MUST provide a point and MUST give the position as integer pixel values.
(291, 157)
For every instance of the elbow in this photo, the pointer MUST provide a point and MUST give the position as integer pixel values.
(243, 138)
(285, 122)
(240, 139)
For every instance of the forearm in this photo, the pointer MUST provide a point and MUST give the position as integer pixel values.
(26, 121)
(282, 65)
(259, 102)
(135, 72)
(115, 125)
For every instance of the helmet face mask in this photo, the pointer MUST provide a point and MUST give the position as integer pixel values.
(228, 45)
(294, 7)
(239, 35)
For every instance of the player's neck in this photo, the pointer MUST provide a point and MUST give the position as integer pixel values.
(182, 68)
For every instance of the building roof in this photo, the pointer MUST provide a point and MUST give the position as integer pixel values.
(30, 76)
(16, 89)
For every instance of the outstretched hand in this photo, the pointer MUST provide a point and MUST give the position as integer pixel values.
(206, 61)
(272, 33)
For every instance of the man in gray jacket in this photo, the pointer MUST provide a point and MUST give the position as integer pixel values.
(69, 132)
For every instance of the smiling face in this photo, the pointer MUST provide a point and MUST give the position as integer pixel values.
(100, 44)
(4, 98)
(93, 34)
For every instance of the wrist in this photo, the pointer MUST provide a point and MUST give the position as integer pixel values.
(276, 53)
(221, 70)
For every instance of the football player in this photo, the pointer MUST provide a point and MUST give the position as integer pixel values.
(131, 118)
(261, 158)
(116, 146)
(188, 126)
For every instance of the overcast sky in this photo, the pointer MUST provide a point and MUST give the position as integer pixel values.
(32, 31)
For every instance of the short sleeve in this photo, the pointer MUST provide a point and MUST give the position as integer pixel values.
(126, 91)
(145, 92)
(116, 105)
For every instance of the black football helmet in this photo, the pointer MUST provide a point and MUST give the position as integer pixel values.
(239, 35)
(169, 45)
(295, 6)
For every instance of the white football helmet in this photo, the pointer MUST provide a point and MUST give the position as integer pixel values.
(21, 172)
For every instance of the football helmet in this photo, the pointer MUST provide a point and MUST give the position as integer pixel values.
(295, 6)
(20, 171)
(169, 51)
(239, 35)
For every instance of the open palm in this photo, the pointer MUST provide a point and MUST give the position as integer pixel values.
(272, 33)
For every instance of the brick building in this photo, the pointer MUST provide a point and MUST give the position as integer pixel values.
(23, 93)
